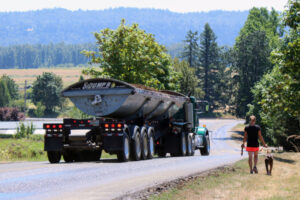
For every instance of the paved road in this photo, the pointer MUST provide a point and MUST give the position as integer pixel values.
(108, 179)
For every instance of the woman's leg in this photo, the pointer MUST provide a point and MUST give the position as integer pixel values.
(250, 153)
(255, 161)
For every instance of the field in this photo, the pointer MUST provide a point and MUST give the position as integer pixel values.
(27, 149)
(237, 183)
(69, 75)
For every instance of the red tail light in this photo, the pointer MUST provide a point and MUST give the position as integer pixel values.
(89, 121)
(74, 121)
(60, 126)
(47, 126)
(157, 142)
(54, 126)
(113, 125)
(106, 125)
(119, 125)
(81, 122)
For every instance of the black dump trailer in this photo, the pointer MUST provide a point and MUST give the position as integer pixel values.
(131, 121)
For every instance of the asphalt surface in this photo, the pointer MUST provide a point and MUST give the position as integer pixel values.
(108, 179)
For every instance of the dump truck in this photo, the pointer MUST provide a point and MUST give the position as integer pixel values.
(131, 121)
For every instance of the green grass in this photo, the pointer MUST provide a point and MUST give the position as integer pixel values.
(27, 149)
(24, 149)
(236, 181)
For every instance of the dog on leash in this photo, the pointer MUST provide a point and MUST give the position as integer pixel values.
(269, 162)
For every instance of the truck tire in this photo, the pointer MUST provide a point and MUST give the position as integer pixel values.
(96, 155)
(92, 155)
(123, 156)
(136, 147)
(182, 145)
(151, 146)
(206, 150)
(161, 153)
(144, 146)
(68, 157)
(54, 156)
(189, 145)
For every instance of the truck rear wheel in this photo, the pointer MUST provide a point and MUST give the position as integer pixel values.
(182, 144)
(206, 150)
(68, 156)
(151, 146)
(144, 153)
(136, 147)
(123, 156)
(54, 156)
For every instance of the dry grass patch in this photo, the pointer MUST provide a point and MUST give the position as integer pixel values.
(237, 183)
(69, 75)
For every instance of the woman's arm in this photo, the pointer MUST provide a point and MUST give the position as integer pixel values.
(262, 139)
(245, 138)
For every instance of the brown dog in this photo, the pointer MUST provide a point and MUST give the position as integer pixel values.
(269, 162)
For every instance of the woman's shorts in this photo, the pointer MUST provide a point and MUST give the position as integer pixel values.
(252, 149)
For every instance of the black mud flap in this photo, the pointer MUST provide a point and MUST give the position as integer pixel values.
(53, 144)
(112, 143)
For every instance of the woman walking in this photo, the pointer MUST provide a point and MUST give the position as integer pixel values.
(252, 133)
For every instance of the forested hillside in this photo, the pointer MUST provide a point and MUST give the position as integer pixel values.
(61, 25)
(38, 55)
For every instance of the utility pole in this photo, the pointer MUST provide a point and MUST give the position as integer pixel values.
(25, 87)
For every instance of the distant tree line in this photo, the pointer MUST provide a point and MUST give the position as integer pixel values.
(75, 27)
(34, 56)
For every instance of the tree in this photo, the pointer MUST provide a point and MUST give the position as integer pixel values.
(46, 89)
(277, 95)
(259, 35)
(8, 90)
(210, 65)
(188, 80)
(252, 61)
(11, 86)
(132, 55)
(191, 48)
(4, 94)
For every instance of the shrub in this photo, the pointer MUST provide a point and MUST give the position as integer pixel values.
(40, 110)
(24, 131)
(10, 114)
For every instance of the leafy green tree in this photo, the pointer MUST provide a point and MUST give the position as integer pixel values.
(210, 68)
(46, 89)
(188, 80)
(259, 35)
(4, 94)
(277, 95)
(191, 48)
(132, 55)
(11, 86)
(8, 91)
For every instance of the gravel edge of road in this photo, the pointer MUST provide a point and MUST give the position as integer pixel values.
(169, 185)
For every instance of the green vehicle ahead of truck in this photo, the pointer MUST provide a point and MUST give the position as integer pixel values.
(134, 122)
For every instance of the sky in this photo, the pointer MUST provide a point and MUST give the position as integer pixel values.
(181, 6)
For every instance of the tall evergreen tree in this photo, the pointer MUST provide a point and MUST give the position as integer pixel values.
(209, 62)
(252, 53)
(190, 52)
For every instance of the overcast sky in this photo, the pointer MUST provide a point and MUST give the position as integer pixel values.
(173, 5)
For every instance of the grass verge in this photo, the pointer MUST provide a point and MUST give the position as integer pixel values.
(23, 149)
(27, 149)
(237, 183)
